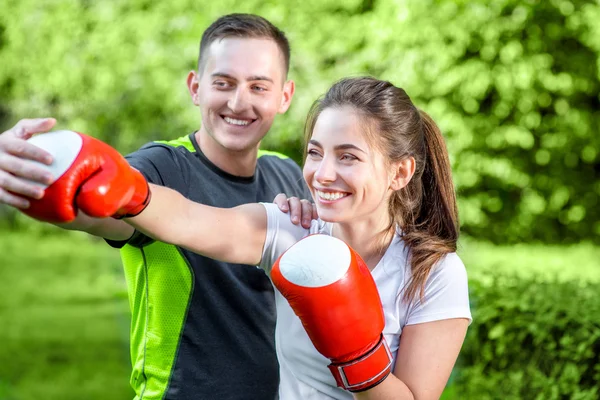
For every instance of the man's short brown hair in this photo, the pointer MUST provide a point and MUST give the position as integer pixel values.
(247, 26)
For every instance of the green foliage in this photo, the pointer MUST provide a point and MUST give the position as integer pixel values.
(531, 339)
(513, 84)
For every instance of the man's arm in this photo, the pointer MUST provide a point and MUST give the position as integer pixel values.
(22, 178)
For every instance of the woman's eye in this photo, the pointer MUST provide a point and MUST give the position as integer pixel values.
(312, 153)
(348, 157)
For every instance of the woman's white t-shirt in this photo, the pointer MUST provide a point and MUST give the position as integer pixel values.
(303, 370)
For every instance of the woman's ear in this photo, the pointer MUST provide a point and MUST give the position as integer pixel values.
(402, 173)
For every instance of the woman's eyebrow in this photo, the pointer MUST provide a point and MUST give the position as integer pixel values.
(346, 146)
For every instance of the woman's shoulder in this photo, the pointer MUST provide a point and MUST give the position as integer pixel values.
(448, 276)
(450, 264)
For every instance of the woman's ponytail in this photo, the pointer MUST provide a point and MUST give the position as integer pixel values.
(430, 225)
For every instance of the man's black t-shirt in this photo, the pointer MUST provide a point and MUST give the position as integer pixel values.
(202, 329)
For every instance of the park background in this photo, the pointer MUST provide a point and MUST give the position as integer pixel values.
(514, 86)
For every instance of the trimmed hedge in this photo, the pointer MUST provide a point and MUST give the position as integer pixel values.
(531, 339)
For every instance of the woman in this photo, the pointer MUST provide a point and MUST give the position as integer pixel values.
(379, 173)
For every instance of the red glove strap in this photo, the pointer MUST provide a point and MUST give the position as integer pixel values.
(139, 201)
(138, 208)
(365, 372)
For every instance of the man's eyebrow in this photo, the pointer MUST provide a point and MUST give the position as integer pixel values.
(346, 146)
(221, 75)
(260, 78)
(250, 78)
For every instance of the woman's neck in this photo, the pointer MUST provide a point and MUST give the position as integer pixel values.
(370, 239)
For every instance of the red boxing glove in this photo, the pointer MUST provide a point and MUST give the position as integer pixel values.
(90, 176)
(331, 290)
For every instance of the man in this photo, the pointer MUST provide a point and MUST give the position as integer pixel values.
(201, 329)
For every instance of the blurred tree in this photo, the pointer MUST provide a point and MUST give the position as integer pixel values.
(513, 84)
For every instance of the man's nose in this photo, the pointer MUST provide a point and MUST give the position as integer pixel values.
(239, 101)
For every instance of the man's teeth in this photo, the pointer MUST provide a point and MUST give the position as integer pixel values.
(330, 195)
(236, 121)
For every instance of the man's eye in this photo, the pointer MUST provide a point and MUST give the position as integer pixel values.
(259, 89)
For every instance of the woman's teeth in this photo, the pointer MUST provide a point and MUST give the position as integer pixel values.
(330, 195)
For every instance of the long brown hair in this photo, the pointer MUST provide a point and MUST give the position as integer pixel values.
(425, 210)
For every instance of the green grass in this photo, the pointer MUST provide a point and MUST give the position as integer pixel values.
(64, 319)
(579, 262)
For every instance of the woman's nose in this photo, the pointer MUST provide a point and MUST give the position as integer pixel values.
(325, 171)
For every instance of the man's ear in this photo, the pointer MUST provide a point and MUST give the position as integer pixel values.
(193, 83)
(288, 92)
(402, 173)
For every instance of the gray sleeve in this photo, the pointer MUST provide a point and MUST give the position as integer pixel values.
(160, 165)
(281, 234)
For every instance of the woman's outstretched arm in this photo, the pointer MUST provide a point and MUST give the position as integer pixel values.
(235, 235)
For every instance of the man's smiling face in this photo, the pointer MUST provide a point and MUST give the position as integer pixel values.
(241, 89)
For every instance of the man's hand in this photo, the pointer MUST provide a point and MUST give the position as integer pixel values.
(300, 210)
(92, 177)
(18, 173)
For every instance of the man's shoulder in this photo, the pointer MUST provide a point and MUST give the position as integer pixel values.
(268, 154)
(281, 174)
(166, 163)
(277, 161)
(182, 145)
